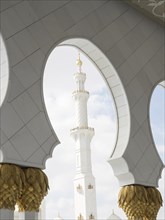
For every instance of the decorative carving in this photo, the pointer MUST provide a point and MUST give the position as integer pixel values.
(80, 217)
(91, 217)
(26, 187)
(90, 186)
(157, 7)
(79, 187)
(12, 181)
(140, 202)
(36, 187)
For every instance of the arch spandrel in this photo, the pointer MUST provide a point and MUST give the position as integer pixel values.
(27, 137)
(131, 106)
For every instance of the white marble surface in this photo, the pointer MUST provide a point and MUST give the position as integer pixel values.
(132, 67)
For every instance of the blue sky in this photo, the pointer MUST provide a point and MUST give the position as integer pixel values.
(58, 86)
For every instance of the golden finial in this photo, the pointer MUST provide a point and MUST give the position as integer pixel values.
(79, 62)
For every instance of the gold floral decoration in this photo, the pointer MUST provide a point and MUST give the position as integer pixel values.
(36, 187)
(140, 202)
(12, 181)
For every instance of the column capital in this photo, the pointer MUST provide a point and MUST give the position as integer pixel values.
(12, 181)
(35, 189)
(140, 202)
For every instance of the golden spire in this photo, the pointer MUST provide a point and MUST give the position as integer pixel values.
(79, 62)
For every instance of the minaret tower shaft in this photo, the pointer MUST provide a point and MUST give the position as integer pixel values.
(84, 182)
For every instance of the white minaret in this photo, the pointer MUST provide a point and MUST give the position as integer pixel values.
(84, 181)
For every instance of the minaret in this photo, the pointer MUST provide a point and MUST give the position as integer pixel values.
(84, 181)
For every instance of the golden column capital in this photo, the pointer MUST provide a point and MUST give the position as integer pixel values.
(36, 187)
(11, 185)
(140, 202)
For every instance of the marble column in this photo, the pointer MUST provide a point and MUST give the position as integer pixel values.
(31, 215)
(6, 214)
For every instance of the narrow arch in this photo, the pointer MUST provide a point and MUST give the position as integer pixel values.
(156, 115)
(156, 120)
(4, 73)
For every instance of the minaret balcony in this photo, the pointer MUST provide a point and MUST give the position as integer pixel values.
(76, 132)
(82, 130)
(78, 94)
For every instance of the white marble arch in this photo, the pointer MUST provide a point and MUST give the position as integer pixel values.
(120, 160)
(115, 86)
(162, 83)
(132, 43)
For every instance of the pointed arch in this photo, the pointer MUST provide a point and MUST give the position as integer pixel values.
(115, 87)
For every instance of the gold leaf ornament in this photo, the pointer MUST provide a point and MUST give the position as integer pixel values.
(36, 187)
(11, 185)
(140, 202)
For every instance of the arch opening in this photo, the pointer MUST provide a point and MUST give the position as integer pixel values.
(113, 83)
(157, 118)
(116, 88)
(4, 73)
